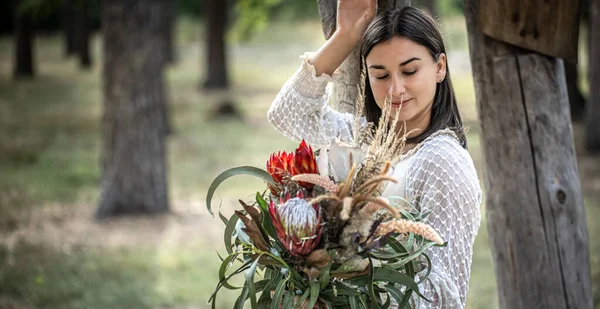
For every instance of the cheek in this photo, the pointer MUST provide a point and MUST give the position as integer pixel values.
(380, 90)
(424, 88)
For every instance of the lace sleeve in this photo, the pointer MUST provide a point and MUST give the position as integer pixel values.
(300, 110)
(443, 181)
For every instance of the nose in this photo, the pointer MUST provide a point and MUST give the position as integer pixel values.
(397, 87)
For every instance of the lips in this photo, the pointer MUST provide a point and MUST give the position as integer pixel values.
(397, 103)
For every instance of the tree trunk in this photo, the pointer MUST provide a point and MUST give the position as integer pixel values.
(170, 17)
(576, 99)
(431, 6)
(69, 27)
(534, 206)
(345, 88)
(216, 75)
(134, 172)
(592, 125)
(82, 33)
(24, 32)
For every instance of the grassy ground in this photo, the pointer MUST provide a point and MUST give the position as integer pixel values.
(53, 255)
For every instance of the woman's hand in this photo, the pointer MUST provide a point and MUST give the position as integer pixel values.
(353, 17)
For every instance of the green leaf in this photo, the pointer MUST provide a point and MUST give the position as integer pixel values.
(239, 303)
(396, 294)
(315, 287)
(222, 283)
(275, 277)
(223, 269)
(325, 276)
(390, 275)
(354, 302)
(228, 234)
(278, 294)
(370, 285)
(223, 218)
(428, 269)
(288, 300)
(241, 170)
(267, 225)
(250, 283)
(303, 298)
(411, 256)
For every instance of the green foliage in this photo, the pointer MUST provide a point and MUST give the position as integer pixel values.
(251, 17)
(395, 269)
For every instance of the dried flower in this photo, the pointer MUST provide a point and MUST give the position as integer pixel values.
(405, 226)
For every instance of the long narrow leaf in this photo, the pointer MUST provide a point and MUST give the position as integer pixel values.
(354, 302)
(228, 233)
(315, 287)
(278, 294)
(302, 299)
(370, 288)
(267, 225)
(241, 170)
(226, 263)
(250, 282)
(271, 285)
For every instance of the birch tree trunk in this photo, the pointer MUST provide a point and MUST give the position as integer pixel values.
(534, 206)
(134, 172)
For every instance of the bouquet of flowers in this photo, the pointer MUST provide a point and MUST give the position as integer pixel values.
(321, 235)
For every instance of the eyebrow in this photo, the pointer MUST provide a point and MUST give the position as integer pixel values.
(381, 67)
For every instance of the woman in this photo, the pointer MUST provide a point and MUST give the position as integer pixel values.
(404, 57)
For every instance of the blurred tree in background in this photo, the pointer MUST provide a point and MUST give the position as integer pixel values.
(134, 129)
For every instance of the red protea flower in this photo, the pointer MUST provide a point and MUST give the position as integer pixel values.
(290, 164)
(298, 225)
(280, 165)
(305, 163)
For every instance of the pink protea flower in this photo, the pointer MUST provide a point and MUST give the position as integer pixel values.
(298, 225)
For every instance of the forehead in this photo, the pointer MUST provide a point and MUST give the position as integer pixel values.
(396, 50)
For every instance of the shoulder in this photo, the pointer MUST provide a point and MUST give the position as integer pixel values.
(442, 160)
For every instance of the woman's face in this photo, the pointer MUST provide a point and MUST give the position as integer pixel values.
(406, 73)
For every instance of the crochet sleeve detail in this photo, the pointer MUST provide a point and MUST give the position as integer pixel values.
(444, 182)
(300, 110)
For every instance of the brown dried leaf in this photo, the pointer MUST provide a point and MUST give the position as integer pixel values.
(318, 258)
(253, 232)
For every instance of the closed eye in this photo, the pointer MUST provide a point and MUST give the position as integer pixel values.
(382, 77)
(409, 73)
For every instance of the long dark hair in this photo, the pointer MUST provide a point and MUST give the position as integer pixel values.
(418, 26)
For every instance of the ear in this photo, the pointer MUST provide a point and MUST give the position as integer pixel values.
(441, 68)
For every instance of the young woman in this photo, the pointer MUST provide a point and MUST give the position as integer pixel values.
(405, 59)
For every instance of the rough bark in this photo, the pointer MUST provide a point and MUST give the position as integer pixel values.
(24, 35)
(82, 33)
(216, 57)
(534, 205)
(345, 87)
(69, 27)
(547, 27)
(134, 171)
(592, 125)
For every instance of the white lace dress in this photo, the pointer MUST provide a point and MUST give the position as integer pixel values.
(437, 176)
